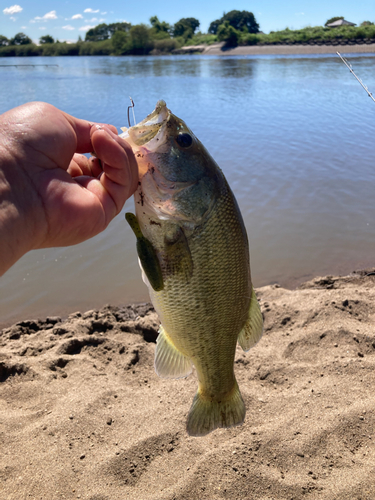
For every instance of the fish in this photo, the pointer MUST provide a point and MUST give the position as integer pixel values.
(194, 255)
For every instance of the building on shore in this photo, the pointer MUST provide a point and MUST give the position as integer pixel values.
(340, 22)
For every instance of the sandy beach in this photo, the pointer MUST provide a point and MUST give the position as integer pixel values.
(220, 50)
(84, 416)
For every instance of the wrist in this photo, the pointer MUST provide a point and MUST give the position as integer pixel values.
(17, 213)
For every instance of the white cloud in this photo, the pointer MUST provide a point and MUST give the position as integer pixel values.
(12, 10)
(77, 16)
(23, 27)
(13, 18)
(91, 10)
(47, 17)
(103, 13)
(50, 15)
(68, 27)
(86, 28)
(42, 28)
(92, 20)
(299, 14)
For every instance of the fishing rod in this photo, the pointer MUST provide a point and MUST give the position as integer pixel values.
(349, 66)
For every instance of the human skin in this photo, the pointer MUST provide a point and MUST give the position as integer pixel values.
(51, 195)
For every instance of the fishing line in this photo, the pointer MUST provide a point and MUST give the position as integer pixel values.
(349, 66)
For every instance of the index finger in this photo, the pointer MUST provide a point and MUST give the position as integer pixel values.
(120, 172)
(82, 129)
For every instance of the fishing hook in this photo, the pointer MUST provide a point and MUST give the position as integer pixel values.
(131, 107)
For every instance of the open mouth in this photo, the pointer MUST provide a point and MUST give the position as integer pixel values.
(149, 130)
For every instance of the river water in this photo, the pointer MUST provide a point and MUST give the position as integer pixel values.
(294, 136)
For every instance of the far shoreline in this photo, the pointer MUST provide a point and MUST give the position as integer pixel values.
(297, 49)
(219, 49)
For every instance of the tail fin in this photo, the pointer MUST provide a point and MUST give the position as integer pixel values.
(206, 416)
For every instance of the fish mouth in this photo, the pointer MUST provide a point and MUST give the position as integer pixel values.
(150, 130)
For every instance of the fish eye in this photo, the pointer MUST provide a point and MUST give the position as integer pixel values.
(184, 140)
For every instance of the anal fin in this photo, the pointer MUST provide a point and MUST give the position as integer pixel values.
(169, 361)
(253, 329)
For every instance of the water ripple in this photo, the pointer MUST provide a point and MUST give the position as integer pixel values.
(294, 136)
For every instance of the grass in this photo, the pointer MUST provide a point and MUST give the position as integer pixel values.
(312, 35)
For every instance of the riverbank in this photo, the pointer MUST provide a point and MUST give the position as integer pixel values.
(301, 49)
(84, 415)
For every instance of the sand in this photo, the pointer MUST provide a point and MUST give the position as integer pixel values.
(83, 415)
(219, 49)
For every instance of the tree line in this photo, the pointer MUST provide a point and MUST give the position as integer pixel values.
(159, 37)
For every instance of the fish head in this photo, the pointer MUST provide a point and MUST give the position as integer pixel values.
(178, 177)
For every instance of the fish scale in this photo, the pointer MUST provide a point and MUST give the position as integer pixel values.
(228, 257)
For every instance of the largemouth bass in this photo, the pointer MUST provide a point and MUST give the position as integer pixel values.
(194, 255)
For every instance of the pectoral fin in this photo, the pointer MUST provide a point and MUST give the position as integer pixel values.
(169, 361)
(147, 255)
(253, 329)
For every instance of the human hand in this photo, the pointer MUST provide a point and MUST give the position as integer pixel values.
(50, 193)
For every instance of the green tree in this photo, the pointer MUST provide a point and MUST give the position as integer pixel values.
(20, 39)
(159, 26)
(105, 31)
(367, 23)
(140, 39)
(97, 34)
(226, 33)
(46, 39)
(214, 26)
(112, 28)
(121, 42)
(239, 20)
(186, 27)
(242, 19)
(160, 29)
(3, 41)
(333, 19)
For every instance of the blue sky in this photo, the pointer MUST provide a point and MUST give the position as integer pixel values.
(66, 20)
